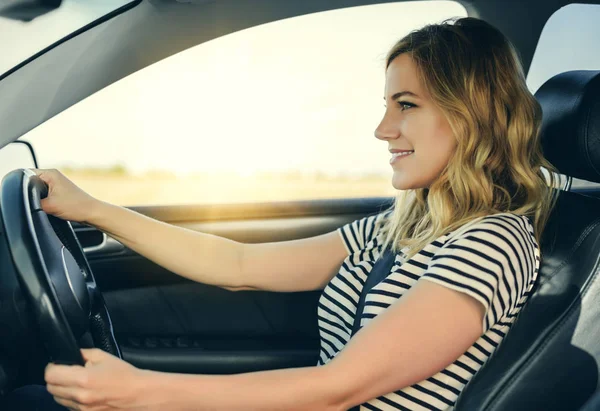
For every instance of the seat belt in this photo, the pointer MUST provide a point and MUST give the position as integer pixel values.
(380, 271)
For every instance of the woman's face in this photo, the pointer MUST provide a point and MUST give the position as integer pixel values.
(412, 122)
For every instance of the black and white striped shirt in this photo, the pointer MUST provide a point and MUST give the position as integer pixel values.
(494, 260)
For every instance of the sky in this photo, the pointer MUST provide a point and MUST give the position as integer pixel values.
(301, 94)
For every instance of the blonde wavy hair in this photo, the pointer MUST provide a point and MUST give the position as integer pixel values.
(473, 73)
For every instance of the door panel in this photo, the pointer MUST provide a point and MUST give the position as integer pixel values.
(192, 327)
(168, 323)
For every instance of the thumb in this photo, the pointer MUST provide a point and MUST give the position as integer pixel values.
(44, 175)
(94, 355)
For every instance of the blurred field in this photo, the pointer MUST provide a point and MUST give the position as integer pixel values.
(163, 189)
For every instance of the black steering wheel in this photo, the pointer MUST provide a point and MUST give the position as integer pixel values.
(53, 272)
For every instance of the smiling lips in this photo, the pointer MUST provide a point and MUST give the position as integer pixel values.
(398, 154)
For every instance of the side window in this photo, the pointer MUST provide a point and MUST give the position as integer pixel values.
(281, 111)
(563, 47)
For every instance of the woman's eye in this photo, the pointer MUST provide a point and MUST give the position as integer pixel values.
(404, 105)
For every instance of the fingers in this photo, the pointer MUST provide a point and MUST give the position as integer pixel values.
(45, 174)
(71, 397)
(66, 375)
(40, 173)
(94, 355)
(69, 404)
(70, 386)
(77, 406)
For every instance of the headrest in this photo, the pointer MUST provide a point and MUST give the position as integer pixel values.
(570, 131)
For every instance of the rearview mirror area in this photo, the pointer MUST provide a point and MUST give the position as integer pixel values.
(26, 10)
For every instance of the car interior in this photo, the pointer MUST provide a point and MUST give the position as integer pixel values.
(156, 320)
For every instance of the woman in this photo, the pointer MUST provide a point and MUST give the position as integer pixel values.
(462, 129)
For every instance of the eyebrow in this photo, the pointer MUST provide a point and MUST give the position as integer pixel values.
(402, 93)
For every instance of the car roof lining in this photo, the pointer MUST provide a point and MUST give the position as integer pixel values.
(140, 34)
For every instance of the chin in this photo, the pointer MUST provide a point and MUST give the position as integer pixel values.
(400, 183)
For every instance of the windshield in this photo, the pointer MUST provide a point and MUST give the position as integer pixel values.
(21, 40)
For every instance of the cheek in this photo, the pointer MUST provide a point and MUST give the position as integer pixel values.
(404, 126)
(436, 140)
(429, 133)
(446, 134)
(441, 131)
(424, 131)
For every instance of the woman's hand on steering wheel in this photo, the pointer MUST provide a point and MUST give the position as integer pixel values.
(65, 199)
(105, 383)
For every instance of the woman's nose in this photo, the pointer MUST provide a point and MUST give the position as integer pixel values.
(386, 130)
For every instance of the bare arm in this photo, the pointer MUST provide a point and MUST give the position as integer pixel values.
(298, 265)
(284, 266)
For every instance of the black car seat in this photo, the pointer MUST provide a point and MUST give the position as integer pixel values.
(550, 359)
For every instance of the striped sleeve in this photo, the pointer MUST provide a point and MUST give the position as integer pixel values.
(357, 234)
(494, 262)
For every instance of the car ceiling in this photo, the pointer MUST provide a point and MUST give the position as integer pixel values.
(147, 31)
